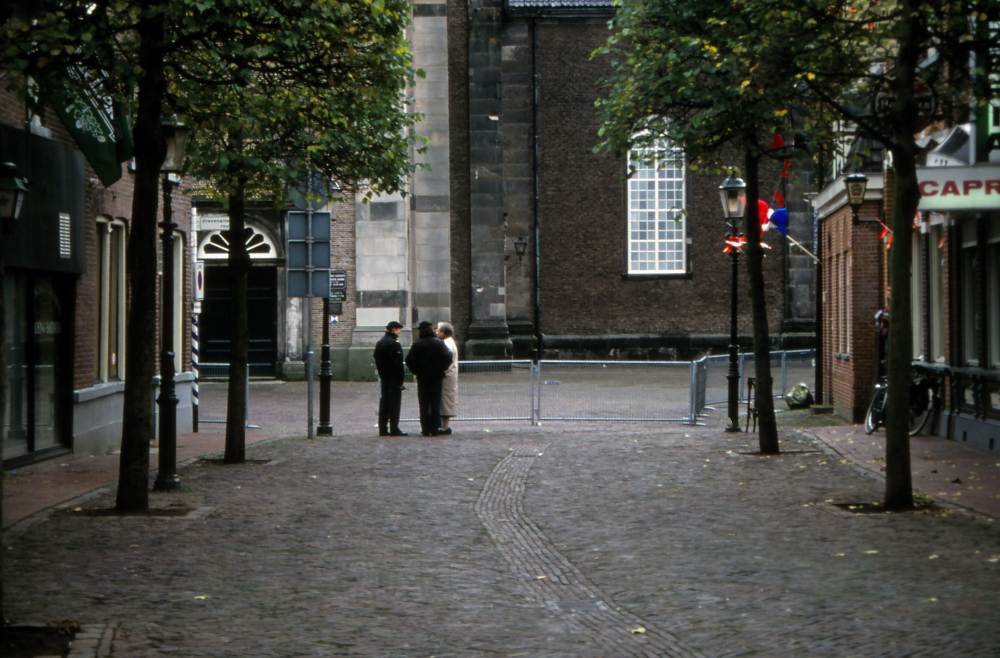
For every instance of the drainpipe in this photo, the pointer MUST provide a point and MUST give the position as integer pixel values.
(534, 134)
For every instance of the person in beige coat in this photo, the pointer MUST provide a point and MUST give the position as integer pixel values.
(449, 387)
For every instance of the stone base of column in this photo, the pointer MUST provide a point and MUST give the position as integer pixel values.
(487, 342)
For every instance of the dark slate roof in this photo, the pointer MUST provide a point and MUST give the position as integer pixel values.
(543, 5)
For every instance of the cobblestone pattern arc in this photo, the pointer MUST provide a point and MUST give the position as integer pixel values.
(553, 581)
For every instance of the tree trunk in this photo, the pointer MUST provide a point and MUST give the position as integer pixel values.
(140, 331)
(3, 409)
(239, 335)
(898, 480)
(767, 426)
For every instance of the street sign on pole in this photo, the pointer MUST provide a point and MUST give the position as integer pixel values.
(308, 254)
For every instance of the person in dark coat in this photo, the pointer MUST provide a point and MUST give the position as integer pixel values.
(428, 360)
(389, 363)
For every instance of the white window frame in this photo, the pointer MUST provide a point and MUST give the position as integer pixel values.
(657, 218)
(993, 292)
(917, 300)
(179, 246)
(110, 340)
(936, 293)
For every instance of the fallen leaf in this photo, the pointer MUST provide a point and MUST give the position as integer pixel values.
(201, 597)
(638, 631)
(540, 577)
(933, 557)
(871, 552)
(994, 558)
(839, 554)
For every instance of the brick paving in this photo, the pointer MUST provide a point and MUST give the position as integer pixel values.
(571, 539)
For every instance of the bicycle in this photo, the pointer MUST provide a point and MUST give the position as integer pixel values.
(921, 404)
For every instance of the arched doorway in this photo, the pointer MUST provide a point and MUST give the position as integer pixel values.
(262, 301)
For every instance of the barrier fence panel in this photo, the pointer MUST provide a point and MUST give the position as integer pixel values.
(788, 368)
(614, 390)
(715, 381)
(213, 393)
(487, 390)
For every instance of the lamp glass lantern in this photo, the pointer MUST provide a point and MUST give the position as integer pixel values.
(520, 246)
(732, 194)
(175, 135)
(13, 190)
(856, 185)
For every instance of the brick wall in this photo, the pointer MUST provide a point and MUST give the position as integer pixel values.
(852, 255)
(343, 257)
(583, 214)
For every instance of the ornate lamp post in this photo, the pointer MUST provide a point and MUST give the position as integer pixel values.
(166, 476)
(856, 185)
(732, 193)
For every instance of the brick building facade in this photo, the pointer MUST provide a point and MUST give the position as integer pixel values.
(954, 290)
(66, 296)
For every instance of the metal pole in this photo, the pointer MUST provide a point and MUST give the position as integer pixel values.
(166, 476)
(325, 429)
(734, 371)
(309, 306)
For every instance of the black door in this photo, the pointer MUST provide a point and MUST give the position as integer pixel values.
(262, 311)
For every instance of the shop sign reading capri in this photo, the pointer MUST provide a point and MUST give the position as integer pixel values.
(975, 187)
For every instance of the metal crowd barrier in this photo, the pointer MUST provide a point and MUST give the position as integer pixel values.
(788, 368)
(213, 397)
(614, 390)
(487, 390)
(551, 390)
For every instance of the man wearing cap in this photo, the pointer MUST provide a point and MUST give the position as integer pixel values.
(428, 360)
(389, 363)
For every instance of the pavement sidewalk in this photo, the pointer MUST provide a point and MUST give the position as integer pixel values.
(940, 468)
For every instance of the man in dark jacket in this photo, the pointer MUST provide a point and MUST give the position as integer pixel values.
(389, 363)
(428, 360)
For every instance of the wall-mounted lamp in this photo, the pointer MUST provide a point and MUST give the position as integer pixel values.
(520, 247)
(856, 185)
(13, 190)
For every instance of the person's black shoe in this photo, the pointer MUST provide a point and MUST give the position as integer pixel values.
(398, 433)
(384, 434)
(444, 430)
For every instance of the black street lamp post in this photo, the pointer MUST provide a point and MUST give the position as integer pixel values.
(325, 375)
(166, 476)
(732, 193)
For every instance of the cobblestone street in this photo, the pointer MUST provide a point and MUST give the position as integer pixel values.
(565, 540)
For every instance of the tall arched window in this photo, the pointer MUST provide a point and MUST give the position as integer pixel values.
(657, 241)
(109, 348)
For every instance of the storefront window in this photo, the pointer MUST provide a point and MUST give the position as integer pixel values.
(970, 266)
(35, 355)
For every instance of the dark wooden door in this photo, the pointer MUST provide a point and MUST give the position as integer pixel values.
(262, 311)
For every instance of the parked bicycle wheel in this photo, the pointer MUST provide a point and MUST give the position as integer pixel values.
(921, 403)
(876, 410)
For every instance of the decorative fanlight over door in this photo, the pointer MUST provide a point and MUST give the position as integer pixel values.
(215, 246)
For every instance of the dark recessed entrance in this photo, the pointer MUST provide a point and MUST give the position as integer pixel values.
(262, 311)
